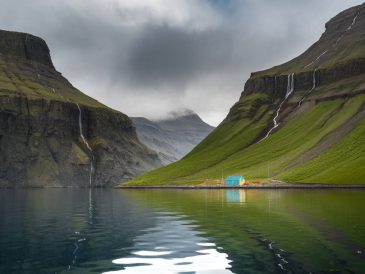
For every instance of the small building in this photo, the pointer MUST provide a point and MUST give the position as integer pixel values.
(235, 181)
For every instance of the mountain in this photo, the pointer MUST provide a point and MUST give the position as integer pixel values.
(173, 137)
(52, 134)
(302, 121)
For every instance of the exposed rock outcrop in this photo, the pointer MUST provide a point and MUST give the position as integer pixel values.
(337, 55)
(24, 46)
(276, 85)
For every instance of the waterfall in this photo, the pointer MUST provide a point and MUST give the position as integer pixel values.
(314, 85)
(289, 91)
(315, 60)
(290, 87)
(87, 145)
(349, 28)
(354, 20)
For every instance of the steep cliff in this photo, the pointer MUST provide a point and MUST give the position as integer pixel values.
(173, 137)
(302, 121)
(51, 134)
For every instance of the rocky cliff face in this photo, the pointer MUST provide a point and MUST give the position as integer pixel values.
(51, 134)
(24, 46)
(337, 55)
(276, 85)
(174, 137)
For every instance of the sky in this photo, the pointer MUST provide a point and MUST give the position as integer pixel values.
(150, 57)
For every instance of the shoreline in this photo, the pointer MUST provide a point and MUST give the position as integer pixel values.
(197, 187)
(264, 186)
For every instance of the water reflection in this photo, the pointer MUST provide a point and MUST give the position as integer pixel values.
(173, 246)
(235, 195)
(208, 231)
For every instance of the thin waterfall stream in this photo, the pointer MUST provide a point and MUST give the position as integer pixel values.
(87, 145)
(289, 91)
(354, 20)
(349, 28)
(314, 81)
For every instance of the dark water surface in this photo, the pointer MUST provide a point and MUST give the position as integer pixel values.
(182, 231)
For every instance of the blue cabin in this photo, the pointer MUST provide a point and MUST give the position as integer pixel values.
(235, 181)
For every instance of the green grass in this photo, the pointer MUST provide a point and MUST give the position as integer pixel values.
(271, 156)
(352, 50)
(36, 81)
(341, 164)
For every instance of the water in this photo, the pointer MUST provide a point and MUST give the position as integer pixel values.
(350, 27)
(87, 145)
(353, 22)
(315, 60)
(182, 231)
(314, 85)
(289, 91)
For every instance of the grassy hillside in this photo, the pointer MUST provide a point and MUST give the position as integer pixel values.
(37, 81)
(315, 142)
(342, 42)
(26, 70)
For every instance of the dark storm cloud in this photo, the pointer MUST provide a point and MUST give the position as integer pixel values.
(147, 58)
(168, 56)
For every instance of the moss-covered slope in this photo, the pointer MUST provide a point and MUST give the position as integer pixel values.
(320, 134)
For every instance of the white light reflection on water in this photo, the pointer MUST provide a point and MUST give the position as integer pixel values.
(173, 246)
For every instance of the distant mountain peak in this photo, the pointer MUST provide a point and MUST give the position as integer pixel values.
(183, 112)
(174, 136)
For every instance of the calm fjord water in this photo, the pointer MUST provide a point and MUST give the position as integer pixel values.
(182, 231)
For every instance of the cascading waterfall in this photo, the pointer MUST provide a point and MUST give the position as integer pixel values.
(289, 91)
(349, 28)
(290, 87)
(354, 20)
(87, 145)
(315, 60)
(314, 81)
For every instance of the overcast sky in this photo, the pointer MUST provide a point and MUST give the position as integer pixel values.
(149, 57)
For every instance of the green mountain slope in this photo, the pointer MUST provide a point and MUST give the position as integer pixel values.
(319, 137)
(26, 69)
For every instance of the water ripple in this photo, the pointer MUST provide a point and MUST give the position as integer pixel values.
(184, 250)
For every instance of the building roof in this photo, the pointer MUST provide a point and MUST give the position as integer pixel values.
(235, 178)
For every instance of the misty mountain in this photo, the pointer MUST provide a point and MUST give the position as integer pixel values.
(173, 137)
